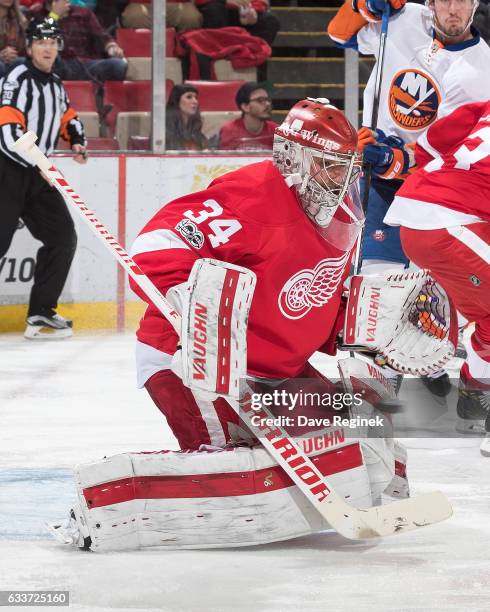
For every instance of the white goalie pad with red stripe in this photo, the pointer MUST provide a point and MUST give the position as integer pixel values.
(214, 327)
(406, 318)
(223, 498)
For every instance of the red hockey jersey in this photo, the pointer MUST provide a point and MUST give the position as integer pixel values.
(454, 161)
(251, 218)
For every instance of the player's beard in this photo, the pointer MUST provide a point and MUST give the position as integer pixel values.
(452, 31)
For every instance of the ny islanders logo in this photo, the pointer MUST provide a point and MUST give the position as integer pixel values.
(309, 288)
(413, 99)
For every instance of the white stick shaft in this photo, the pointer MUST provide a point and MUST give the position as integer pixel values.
(26, 144)
(347, 520)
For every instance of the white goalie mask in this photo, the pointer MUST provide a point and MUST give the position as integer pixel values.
(315, 149)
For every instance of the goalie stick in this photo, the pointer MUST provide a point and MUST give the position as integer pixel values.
(352, 523)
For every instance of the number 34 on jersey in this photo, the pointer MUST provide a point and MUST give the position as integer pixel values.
(207, 221)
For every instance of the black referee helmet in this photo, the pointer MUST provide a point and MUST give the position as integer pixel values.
(40, 29)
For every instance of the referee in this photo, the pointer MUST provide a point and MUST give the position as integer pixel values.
(33, 98)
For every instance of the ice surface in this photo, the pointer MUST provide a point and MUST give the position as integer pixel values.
(72, 401)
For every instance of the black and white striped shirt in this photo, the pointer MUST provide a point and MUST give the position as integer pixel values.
(34, 100)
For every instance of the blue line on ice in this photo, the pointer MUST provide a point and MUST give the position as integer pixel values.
(31, 497)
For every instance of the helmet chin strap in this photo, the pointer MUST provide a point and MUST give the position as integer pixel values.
(444, 34)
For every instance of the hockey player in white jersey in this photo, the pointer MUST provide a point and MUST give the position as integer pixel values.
(434, 61)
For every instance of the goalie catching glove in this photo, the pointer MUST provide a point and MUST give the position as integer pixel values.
(406, 318)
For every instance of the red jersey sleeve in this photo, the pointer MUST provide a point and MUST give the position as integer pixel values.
(448, 133)
(203, 224)
(454, 158)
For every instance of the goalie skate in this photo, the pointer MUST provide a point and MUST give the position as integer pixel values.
(72, 531)
(55, 327)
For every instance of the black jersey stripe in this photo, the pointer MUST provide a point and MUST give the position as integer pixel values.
(43, 102)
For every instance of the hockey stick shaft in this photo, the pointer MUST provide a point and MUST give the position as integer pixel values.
(26, 144)
(374, 122)
(347, 520)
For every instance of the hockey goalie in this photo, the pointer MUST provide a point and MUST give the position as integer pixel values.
(293, 223)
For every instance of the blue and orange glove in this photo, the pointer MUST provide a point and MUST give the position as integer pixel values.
(386, 155)
(372, 10)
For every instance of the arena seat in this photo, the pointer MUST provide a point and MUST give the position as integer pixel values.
(139, 69)
(93, 144)
(213, 121)
(81, 95)
(137, 42)
(225, 72)
(139, 143)
(137, 49)
(217, 95)
(131, 108)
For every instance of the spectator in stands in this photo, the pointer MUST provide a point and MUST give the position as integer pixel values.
(90, 4)
(33, 4)
(86, 44)
(12, 42)
(253, 130)
(182, 16)
(109, 14)
(183, 120)
(253, 15)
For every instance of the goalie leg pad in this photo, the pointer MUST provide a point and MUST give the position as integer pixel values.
(228, 498)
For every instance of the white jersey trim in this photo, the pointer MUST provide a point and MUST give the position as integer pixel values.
(417, 214)
(157, 240)
(472, 241)
(149, 361)
(478, 367)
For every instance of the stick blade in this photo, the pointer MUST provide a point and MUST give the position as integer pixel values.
(404, 515)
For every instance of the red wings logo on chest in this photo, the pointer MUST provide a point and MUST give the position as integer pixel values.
(311, 288)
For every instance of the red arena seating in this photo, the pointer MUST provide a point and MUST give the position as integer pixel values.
(139, 143)
(129, 96)
(102, 144)
(217, 95)
(81, 95)
(93, 144)
(137, 42)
